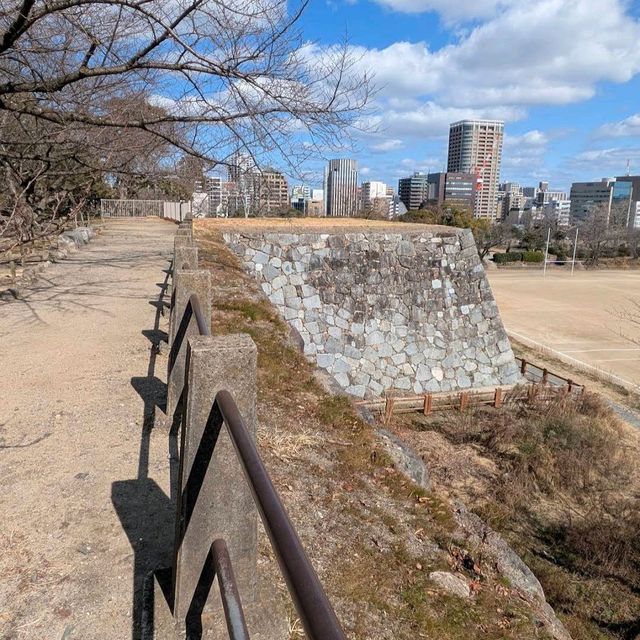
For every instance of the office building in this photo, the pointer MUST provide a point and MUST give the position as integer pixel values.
(341, 188)
(301, 191)
(397, 208)
(511, 198)
(634, 218)
(558, 211)
(414, 191)
(635, 197)
(272, 193)
(371, 190)
(544, 195)
(587, 196)
(374, 198)
(475, 147)
(612, 196)
(214, 190)
(308, 201)
(452, 189)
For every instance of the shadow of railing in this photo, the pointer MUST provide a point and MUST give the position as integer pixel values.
(220, 486)
(145, 511)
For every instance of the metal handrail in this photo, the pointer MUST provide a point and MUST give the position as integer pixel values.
(316, 613)
(312, 605)
(231, 603)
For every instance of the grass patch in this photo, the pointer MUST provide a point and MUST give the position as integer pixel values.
(563, 499)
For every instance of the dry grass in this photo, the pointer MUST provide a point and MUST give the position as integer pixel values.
(287, 446)
(561, 485)
(372, 535)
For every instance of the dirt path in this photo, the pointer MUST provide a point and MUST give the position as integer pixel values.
(82, 510)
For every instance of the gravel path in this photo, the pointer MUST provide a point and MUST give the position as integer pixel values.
(83, 510)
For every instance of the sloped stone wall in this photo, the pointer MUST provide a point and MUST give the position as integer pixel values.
(410, 311)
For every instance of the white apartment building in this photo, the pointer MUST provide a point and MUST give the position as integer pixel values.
(475, 146)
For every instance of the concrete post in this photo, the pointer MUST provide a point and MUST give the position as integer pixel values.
(185, 258)
(214, 499)
(183, 231)
(185, 283)
(182, 241)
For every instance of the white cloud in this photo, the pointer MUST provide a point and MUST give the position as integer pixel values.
(544, 52)
(534, 138)
(629, 127)
(603, 162)
(460, 10)
(430, 120)
(525, 151)
(387, 145)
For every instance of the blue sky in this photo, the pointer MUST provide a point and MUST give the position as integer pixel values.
(563, 74)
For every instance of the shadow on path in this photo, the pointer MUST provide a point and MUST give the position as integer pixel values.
(146, 513)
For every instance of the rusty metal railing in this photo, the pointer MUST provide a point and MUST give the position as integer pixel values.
(316, 613)
(310, 600)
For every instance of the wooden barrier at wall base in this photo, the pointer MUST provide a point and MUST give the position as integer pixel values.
(461, 401)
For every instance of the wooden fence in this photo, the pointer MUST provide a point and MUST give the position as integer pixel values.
(544, 386)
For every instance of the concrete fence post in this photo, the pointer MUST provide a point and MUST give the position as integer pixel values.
(185, 258)
(185, 283)
(214, 499)
(182, 241)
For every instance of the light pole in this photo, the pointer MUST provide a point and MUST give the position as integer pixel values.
(546, 252)
(575, 246)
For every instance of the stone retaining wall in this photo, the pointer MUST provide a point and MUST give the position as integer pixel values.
(410, 311)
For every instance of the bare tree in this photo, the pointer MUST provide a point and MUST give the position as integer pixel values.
(203, 78)
(595, 234)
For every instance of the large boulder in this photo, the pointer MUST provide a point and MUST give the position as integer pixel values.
(484, 541)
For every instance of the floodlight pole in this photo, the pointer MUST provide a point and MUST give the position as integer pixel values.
(546, 252)
(575, 246)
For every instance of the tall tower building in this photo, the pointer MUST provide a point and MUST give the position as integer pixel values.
(341, 188)
(475, 146)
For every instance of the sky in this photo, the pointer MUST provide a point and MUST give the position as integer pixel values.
(564, 75)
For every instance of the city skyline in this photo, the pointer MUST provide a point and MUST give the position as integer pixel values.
(570, 110)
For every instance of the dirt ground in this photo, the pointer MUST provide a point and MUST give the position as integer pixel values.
(576, 316)
(84, 501)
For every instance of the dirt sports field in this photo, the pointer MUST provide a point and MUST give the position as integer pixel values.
(576, 316)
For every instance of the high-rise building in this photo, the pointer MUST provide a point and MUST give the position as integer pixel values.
(272, 193)
(512, 198)
(635, 197)
(373, 192)
(475, 146)
(454, 189)
(214, 189)
(586, 196)
(610, 195)
(341, 188)
(414, 191)
(239, 165)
